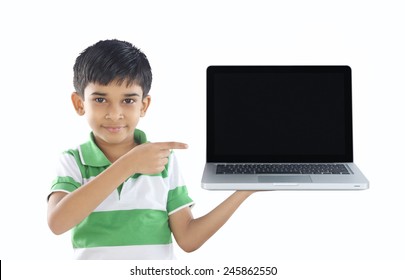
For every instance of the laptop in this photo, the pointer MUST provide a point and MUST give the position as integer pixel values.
(280, 128)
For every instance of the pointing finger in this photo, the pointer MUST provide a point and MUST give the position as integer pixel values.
(172, 145)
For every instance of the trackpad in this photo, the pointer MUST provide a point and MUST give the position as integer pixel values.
(284, 179)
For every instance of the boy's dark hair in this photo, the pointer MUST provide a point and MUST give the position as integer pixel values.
(112, 60)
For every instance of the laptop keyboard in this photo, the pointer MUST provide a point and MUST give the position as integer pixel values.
(282, 168)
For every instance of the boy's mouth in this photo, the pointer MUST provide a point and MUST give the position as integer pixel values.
(114, 129)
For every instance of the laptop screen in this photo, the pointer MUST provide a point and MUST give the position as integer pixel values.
(279, 114)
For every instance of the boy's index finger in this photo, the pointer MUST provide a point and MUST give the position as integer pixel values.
(172, 145)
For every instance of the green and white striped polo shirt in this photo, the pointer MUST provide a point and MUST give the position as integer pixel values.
(131, 223)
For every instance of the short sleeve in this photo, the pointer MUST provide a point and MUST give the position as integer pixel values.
(178, 197)
(68, 175)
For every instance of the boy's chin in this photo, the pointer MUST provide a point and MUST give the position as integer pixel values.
(115, 138)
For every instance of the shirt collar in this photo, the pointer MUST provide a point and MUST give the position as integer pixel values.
(90, 153)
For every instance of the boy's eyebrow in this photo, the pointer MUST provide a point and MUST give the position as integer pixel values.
(125, 94)
(99, 93)
(132, 94)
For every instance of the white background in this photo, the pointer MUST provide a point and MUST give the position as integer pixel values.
(41, 39)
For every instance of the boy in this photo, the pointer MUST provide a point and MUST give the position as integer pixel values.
(123, 197)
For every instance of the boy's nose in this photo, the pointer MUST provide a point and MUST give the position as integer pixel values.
(114, 114)
(114, 117)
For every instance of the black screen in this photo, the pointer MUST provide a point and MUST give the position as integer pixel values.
(279, 113)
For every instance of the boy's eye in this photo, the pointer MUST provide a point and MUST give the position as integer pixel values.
(99, 100)
(129, 100)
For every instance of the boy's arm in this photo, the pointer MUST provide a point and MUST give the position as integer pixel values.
(191, 233)
(67, 210)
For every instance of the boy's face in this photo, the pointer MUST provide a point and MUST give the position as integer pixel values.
(112, 111)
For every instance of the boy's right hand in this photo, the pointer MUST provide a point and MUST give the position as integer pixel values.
(151, 158)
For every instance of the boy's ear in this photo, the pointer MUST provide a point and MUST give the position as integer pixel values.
(77, 101)
(145, 105)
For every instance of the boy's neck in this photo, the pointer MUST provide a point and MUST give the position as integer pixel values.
(115, 151)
